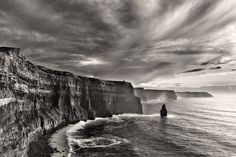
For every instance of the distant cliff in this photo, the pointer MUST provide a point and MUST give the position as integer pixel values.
(193, 94)
(227, 89)
(154, 95)
(34, 99)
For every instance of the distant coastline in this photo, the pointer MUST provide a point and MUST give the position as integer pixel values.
(193, 94)
(160, 95)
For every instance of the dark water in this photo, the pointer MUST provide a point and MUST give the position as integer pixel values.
(194, 127)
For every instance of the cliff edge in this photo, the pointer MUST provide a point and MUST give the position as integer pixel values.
(35, 99)
(154, 95)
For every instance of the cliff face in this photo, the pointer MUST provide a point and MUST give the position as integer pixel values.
(154, 95)
(34, 99)
(193, 94)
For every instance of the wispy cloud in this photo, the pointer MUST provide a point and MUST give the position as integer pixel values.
(134, 40)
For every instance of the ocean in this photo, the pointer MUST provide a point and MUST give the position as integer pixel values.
(194, 127)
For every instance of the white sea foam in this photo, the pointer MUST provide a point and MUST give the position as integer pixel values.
(77, 142)
(97, 121)
(95, 142)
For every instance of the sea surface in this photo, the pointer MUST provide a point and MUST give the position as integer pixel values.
(194, 127)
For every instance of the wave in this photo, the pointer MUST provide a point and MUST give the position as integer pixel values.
(98, 121)
(77, 142)
(95, 142)
(115, 118)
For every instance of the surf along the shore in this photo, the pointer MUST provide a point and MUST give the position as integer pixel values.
(189, 130)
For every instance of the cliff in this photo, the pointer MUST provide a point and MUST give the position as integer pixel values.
(193, 94)
(154, 95)
(227, 89)
(34, 100)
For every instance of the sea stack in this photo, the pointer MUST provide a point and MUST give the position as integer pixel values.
(163, 111)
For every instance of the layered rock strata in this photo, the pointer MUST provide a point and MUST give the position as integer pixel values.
(34, 99)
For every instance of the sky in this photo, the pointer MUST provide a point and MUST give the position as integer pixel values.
(151, 43)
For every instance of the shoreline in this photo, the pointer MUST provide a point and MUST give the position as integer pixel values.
(52, 144)
(37, 101)
(59, 143)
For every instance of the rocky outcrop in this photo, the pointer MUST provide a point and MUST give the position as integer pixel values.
(193, 94)
(34, 99)
(154, 95)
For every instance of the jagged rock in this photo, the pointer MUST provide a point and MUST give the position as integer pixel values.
(163, 111)
(35, 99)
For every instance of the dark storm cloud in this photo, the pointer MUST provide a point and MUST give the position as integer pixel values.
(136, 40)
(215, 68)
(195, 52)
(201, 69)
(194, 70)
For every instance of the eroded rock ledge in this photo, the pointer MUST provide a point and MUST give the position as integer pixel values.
(34, 99)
